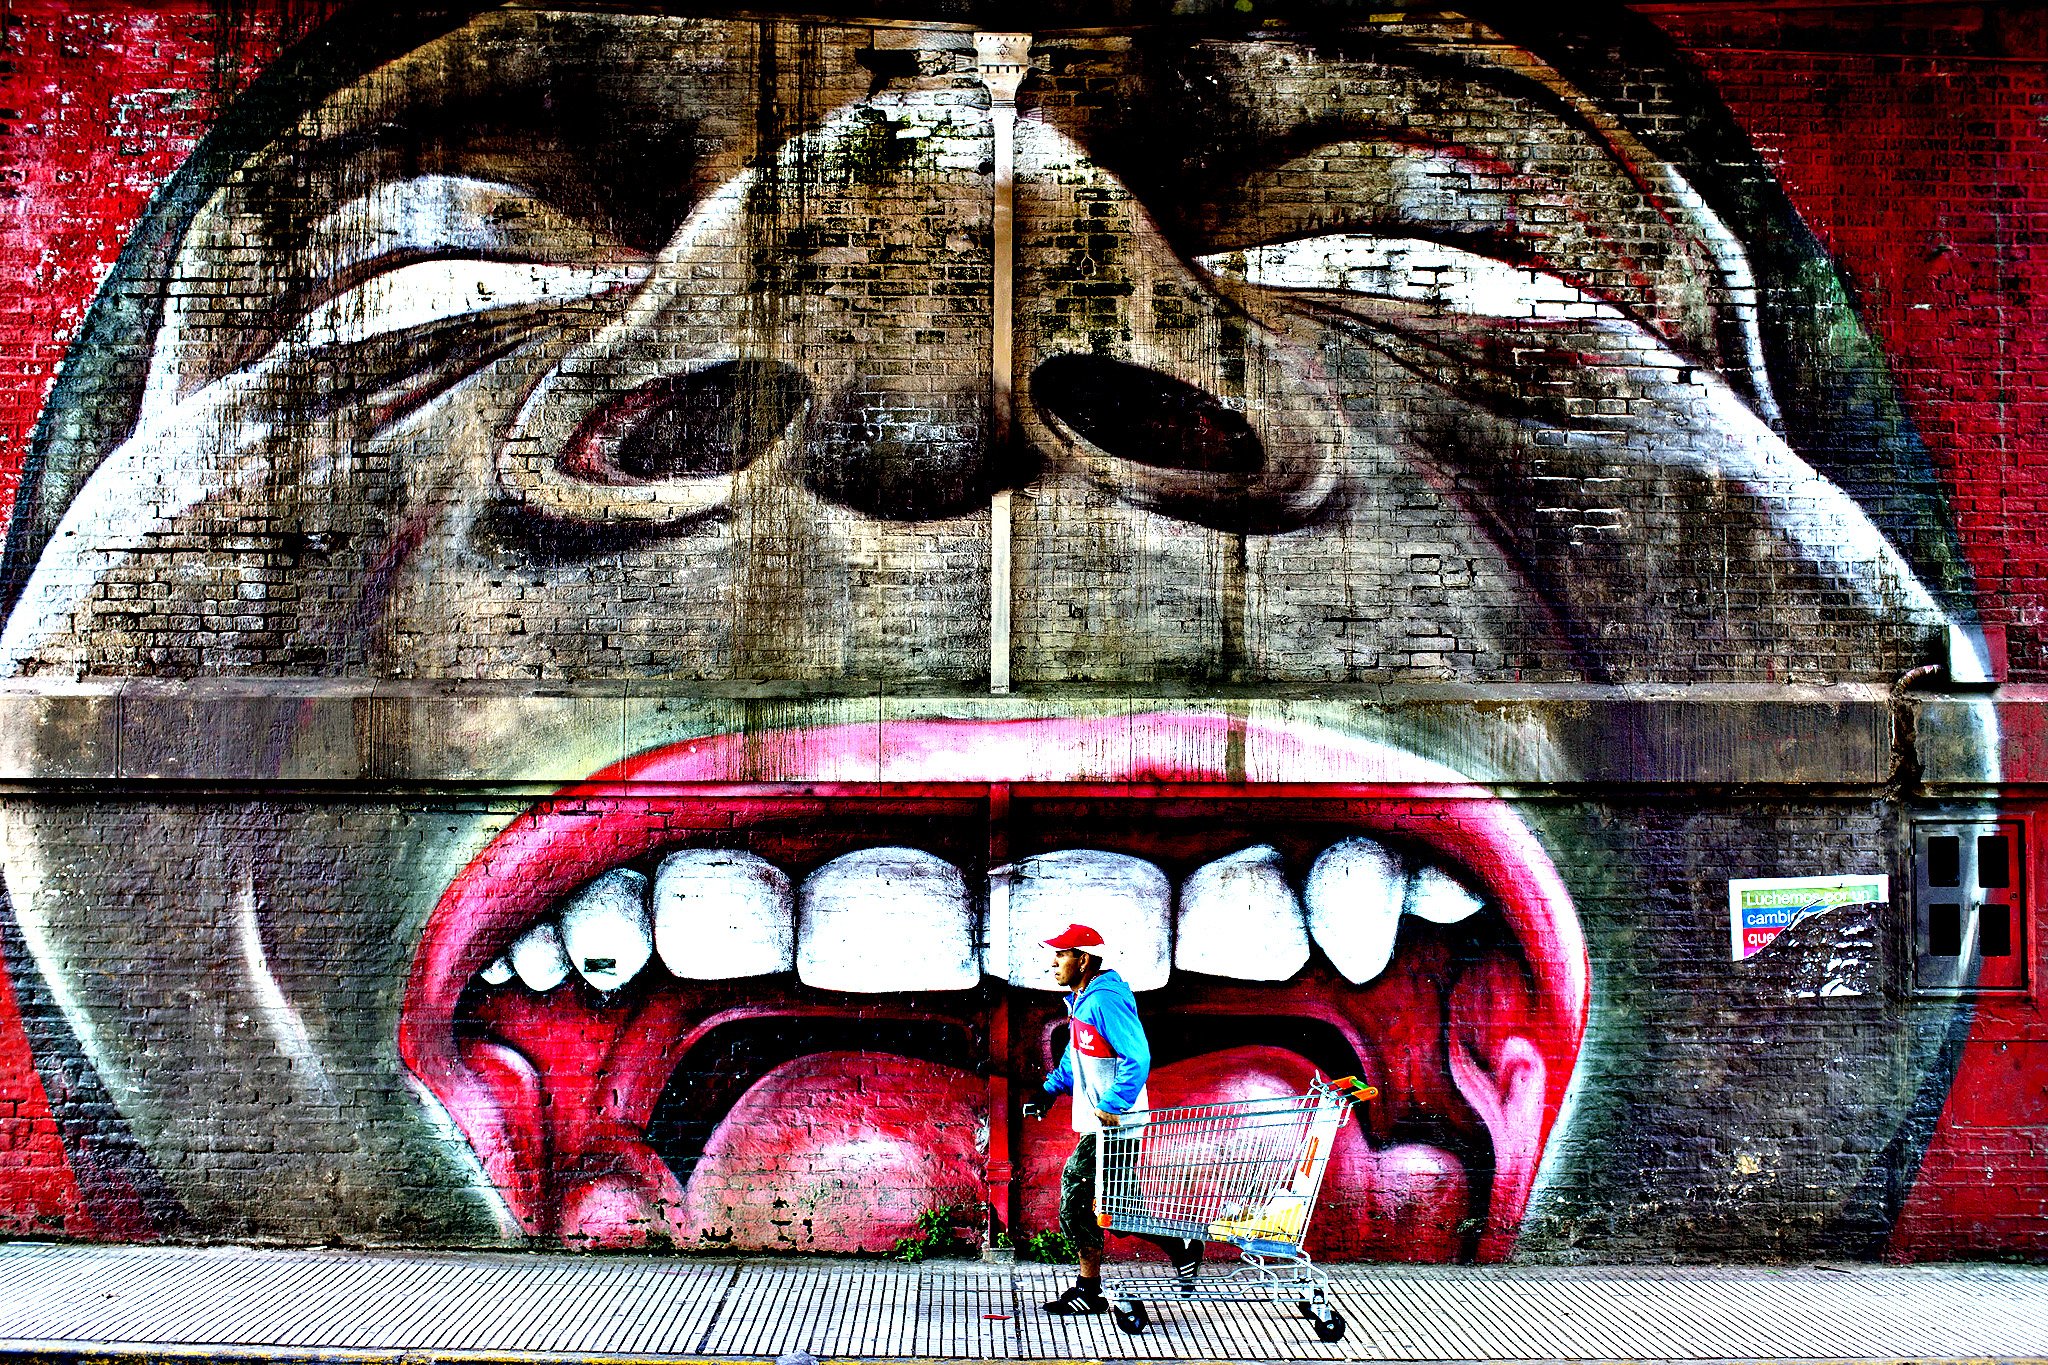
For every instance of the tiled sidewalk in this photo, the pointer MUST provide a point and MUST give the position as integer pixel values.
(55, 1299)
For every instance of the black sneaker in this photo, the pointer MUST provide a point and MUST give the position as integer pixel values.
(1187, 1263)
(1077, 1301)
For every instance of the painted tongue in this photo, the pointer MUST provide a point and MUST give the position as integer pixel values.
(839, 1151)
(570, 1161)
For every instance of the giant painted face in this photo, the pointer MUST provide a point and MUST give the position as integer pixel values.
(612, 349)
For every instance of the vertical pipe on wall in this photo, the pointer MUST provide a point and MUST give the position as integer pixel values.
(1004, 1141)
(1002, 60)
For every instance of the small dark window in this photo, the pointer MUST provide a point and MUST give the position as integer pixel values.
(1945, 930)
(1994, 930)
(1994, 860)
(1945, 861)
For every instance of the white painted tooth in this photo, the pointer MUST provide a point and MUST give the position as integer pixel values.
(1440, 898)
(1127, 900)
(886, 919)
(1354, 895)
(1240, 918)
(721, 914)
(605, 929)
(498, 972)
(539, 959)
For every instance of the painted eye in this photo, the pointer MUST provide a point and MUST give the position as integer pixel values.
(404, 262)
(415, 295)
(1445, 278)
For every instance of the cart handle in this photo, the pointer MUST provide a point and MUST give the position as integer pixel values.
(1357, 1089)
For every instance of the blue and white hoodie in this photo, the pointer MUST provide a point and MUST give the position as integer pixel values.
(1107, 1056)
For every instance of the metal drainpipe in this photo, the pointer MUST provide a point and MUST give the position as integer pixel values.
(1002, 59)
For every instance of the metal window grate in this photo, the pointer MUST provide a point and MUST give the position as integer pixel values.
(1969, 906)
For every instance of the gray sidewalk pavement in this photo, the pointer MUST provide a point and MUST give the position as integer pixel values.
(66, 1302)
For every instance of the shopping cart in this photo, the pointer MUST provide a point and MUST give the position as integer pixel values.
(1244, 1172)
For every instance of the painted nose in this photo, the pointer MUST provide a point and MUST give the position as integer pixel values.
(775, 346)
(901, 452)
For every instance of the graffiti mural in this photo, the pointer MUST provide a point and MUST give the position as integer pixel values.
(574, 453)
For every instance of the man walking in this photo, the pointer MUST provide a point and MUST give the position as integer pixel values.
(1105, 1066)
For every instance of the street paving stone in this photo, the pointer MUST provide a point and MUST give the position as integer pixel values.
(150, 1301)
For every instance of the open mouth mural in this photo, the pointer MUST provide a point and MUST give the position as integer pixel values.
(656, 986)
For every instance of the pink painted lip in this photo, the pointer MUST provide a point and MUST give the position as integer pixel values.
(617, 815)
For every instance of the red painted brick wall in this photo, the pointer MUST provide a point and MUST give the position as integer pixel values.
(1917, 150)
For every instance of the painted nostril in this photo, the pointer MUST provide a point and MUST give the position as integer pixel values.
(700, 425)
(1144, 416)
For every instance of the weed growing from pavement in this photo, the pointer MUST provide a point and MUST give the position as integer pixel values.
(938, 1234)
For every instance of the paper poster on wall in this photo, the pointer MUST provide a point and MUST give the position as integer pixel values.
(1761, 908)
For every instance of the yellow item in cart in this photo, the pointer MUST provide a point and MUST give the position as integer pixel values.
(1284, 1215)
(1281, 1219)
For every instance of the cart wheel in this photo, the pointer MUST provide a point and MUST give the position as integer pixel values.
(1305, 1308)
(1131, 1318)
(1331, 1329)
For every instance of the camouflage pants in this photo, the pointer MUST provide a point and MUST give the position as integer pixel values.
(1077, 1197)
(1077, 1200)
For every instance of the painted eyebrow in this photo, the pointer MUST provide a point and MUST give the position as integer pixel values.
(1505, 73)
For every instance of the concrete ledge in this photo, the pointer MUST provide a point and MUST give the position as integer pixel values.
(310, 731)
(1950, 730)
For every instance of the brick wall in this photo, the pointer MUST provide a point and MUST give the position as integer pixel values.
(499, 742)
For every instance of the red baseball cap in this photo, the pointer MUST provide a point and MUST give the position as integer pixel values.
(1075, 936)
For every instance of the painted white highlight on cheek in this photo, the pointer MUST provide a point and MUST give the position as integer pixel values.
(431, 291)
(721, 914)
(1823, 522)
(1127, 900)
(1412, 269)
(1983, 712)
(281, 1021)
(458, 1150)
(539, 959)
(1239, 918)
(1440, 898)
(886, 919)
(605, 930)
(27, 879)
(205, 444)
(1969, 658)
(1354, 895)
